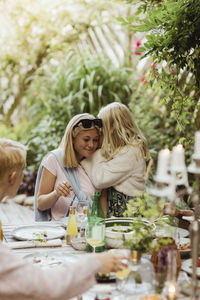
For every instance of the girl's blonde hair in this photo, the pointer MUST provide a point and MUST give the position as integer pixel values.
(12, 156)
(119, 130)
(69, 155)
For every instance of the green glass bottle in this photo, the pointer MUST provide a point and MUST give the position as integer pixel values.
(96, 209)
(96, 226)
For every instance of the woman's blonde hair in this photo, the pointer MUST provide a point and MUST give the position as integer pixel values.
(12, 156)
(69, 155)
(119, 130)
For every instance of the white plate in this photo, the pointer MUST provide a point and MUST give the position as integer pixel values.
(171, 231)
(186, 288)
(188, 218)
(51, 259)
(34, 232)
(187, 267)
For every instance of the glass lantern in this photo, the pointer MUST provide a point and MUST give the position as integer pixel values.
(141, 279)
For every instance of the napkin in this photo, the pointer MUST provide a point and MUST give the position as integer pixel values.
(34, 244)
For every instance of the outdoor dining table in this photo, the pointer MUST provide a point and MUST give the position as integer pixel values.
(103, 291)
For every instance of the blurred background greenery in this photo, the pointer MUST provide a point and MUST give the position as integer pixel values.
(63, 57)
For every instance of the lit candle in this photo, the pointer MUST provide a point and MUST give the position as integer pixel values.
(197, 144)
(163, 164)
(178, 159)
(171, 291)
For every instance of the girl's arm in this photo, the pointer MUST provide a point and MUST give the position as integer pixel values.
(48, 194)
(104, 174)
(104, 203)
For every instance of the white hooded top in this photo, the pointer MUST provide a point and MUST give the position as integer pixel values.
(125, 172)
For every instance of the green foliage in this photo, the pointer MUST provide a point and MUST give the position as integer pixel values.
(18, 133)
(143, 207)
(162, 126)
(72, 85)
(32, 30)
(172, 42)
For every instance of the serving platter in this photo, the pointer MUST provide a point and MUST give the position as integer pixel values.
(50, 259)
(171, 231)
(38, 232)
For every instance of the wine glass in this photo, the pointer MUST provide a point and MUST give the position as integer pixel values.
(122, 274)
(82, 209)
(93, 235)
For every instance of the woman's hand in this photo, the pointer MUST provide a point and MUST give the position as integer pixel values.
(63, 189)
(111, 262)
(171, 210)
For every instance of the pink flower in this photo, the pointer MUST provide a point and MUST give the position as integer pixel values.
(143, 79)
(136, 47)
(172, 71)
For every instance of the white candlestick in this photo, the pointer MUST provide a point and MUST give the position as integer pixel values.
(178, 159)
(197, 143)
(163, 163)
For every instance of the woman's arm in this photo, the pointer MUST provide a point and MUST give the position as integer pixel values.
(48, 194)
(104, 174)
(173, 211)
(104, 203)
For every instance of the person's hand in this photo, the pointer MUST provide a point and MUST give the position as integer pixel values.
(171, 210)
(63, 189)
(111, 262)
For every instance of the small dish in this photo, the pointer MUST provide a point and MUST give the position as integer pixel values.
(79, 243)
(184, 247)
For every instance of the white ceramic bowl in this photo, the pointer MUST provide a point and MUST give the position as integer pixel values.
(79, 243)
(120, 229)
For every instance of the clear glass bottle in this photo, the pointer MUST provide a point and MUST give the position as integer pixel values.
(96, 226)
(72, 230)
(84, 222)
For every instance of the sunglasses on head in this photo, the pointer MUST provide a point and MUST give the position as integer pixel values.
(87, 123)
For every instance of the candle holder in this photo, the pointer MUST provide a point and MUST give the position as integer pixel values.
(171, 290)
(171, 174)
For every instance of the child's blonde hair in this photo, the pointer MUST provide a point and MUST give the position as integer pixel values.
(12, 156)
(69, 155)
(119, 130)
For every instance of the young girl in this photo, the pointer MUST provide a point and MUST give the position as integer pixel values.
(80, 140)
(120, 164)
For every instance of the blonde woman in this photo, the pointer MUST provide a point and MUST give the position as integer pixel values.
(120, 164)
(23, 280)
(55, 192)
